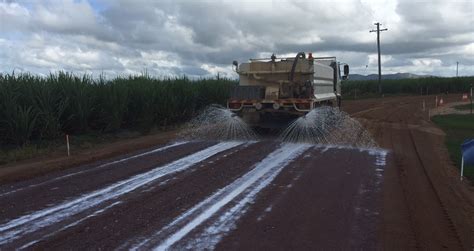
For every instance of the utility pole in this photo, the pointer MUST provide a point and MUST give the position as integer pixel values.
(378, 49)
(457, 66)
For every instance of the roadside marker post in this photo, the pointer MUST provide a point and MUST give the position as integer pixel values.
(462, 167)
(436, 101)
(67, 144)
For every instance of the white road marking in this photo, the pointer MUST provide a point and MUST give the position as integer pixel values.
(38, 220)
(94, 168)
(245, 188)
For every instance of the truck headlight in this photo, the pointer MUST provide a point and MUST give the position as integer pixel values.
(276, 106)
(258, 106)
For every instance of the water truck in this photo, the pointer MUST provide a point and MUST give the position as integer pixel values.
(274, 91)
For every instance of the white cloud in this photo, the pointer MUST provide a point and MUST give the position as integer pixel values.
(429, 62)
(373, 59)
(201, 38)
(468, 50)
(64, 16)
(226, 72)
(13, 17)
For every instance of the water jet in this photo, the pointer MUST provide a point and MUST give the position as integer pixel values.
(218, 123)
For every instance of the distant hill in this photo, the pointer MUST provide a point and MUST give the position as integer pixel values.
(387, 76)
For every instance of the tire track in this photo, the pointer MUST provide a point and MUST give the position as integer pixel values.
(160, 149)
(312, 204)
(32, 200)
(41, 219)
(435, 191)
(240, 193)
(152, 207)
(415, 219)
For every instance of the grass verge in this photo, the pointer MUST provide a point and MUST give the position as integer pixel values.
(465, 107)
(458, 128)
(57, 147)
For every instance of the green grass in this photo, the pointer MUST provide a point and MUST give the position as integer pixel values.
(37, 148)
(21, 153)
(458, 128)
(465, 107)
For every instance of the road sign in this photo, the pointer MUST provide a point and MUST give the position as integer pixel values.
(467, 149)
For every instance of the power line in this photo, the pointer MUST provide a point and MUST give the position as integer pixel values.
(378, 49)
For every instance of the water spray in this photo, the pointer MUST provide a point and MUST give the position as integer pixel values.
(218, 123)
(328, 126)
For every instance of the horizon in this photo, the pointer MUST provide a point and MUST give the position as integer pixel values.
(96, 76)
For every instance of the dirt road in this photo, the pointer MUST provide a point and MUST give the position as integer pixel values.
(425, 206)
(255, 195)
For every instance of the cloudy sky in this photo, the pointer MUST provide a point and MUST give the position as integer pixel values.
(201, 38)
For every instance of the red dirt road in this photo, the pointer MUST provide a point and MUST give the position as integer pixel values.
(255, 195)
(425, 204)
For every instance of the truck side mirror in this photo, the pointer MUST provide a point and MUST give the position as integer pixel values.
(346, 70)
(236, 64)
